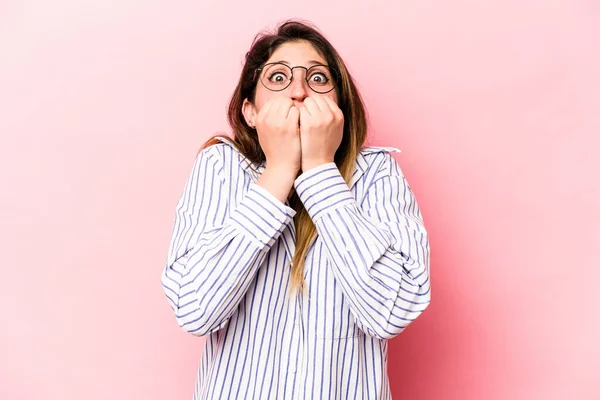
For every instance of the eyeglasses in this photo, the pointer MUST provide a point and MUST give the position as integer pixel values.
(278, 76)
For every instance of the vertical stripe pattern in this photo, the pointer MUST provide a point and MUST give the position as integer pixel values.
(228, 269)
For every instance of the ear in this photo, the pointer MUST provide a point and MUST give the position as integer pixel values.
(249, 112)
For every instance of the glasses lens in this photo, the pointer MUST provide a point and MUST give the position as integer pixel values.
(320, 78)
(276, 76)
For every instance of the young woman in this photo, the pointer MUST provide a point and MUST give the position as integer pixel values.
(297, 251)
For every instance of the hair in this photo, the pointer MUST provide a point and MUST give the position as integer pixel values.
(245, 138)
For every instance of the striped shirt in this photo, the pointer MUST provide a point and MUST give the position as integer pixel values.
(228, 271)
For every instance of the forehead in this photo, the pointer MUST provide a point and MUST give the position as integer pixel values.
(296, 53)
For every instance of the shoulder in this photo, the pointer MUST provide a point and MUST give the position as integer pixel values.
(220, 147)
(379, 159)
(224, 156)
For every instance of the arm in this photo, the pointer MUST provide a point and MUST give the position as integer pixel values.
(215, 252)
(379, 252)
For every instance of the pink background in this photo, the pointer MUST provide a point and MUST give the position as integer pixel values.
(494, 103)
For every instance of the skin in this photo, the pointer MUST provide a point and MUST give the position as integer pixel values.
(298, 129)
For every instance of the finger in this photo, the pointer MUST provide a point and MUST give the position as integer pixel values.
(263, 112)
(275, 111)
(327, 114)
(293, 117)
(321, 103)
(286, 104)
(280, 110)
(325, 108)
(333, 106)
(304, 115)
(289, 111)
(311, 106)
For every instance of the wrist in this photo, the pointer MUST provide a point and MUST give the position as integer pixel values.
(281, 172)
(278, 181)
(308, 165)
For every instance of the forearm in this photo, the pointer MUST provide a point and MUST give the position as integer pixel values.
(379, 256)
(386, 288)
(206, 278)
(278, 180)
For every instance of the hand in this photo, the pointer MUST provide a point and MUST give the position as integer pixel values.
(321, 131)
(278, 134)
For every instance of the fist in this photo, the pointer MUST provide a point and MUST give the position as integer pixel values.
(278, 133)
(321, 131)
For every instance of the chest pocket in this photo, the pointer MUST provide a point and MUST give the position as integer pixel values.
(328, 309)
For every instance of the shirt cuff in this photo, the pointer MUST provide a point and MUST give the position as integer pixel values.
(322, 189)
(262, 216)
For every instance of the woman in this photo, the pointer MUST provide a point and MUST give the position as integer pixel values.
(298, 252)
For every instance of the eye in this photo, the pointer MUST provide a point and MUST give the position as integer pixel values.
(319, 77)
(277, 77)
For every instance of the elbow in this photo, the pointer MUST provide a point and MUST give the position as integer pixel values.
(401, 317)
(191, 314)
(199, 321)
(193, 327)
(199, 327)
(194, 320)
(383, 334)
(384, 331)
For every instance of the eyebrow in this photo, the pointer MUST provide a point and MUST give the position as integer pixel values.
(310, 62)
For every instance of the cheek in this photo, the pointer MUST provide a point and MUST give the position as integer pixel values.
(262, 97)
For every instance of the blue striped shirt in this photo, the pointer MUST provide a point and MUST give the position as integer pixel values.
(228, 271)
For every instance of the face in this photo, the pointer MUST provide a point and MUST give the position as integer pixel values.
(301, 53)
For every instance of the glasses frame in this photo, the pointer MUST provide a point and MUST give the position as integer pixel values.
(333, 71)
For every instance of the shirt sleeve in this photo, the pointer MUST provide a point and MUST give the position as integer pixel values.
(215, 251)
(379, 250)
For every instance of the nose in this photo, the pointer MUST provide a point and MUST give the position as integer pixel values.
(298, 87)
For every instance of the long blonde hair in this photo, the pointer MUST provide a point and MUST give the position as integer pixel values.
(246, 139)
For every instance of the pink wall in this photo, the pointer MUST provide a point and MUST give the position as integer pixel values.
(495, 105)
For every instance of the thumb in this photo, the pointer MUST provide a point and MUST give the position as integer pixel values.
(303, 113)
(293, 116)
